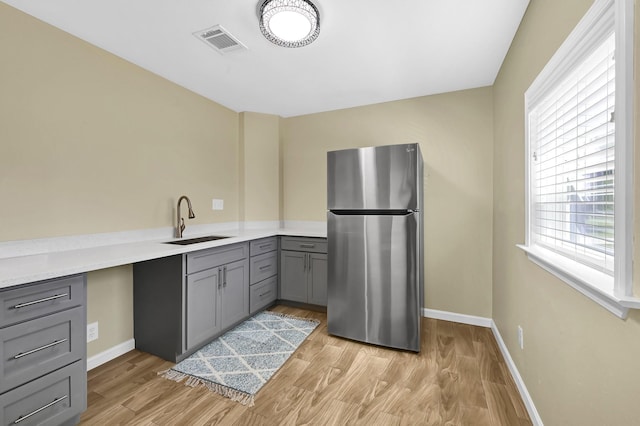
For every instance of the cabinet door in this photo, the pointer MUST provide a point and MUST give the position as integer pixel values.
(317, 275)
(293, 281)
(234, 293)
(202, 299)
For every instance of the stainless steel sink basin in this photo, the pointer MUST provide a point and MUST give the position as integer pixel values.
(196, 240)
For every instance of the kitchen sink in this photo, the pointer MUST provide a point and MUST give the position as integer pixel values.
(196, 240)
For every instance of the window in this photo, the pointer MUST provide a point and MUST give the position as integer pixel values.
(579, 147)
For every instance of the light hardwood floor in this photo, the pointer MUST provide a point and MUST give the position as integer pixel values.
(459, 378)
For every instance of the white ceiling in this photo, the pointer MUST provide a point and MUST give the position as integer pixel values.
(368, 51)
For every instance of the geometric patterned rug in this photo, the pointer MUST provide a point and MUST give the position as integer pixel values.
(238, 363)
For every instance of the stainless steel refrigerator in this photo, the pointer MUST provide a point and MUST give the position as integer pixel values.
(375, 251)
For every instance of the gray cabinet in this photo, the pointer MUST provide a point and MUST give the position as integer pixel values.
(293, 275)
(43, 352)
(182, 302)
(263, 294)
(264, 273)
(317, 276)
(303, 270)
(234, 293)
(201, 312)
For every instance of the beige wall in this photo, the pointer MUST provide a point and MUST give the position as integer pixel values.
(91, 143)
(455, 135)
(110, 303)
(259, 167)
(580, 363)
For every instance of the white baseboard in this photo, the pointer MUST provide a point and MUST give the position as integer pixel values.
(522, 388)
(111, 353)
(454, 317)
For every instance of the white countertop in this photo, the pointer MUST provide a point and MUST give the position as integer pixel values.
(58, 263)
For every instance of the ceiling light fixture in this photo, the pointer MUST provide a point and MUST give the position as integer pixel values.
(289, 23)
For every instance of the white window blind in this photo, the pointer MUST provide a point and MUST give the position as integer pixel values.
(572, 139)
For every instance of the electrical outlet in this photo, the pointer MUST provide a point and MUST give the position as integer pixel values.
(217, 204)
(92, 332)
(520, 337)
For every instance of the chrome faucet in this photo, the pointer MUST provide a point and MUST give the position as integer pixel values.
(180, 224)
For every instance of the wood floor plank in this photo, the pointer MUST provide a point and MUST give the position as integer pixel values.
(475, 416)
(458, 378)
(334, 413)
(489, 364)
(514, 393)
(501, 409)
(468, 370)
(318, 378)
(463, 339)
(361, 377)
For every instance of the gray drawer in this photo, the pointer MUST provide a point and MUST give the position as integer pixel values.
(315, 245)
(34, 348)
(262, 294)
(49, 400)
(263, 245)
(205, 259)
(263, 266)
(42, 298)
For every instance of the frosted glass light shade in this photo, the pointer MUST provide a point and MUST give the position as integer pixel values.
(289, 23)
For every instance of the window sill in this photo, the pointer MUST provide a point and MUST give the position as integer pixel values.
(596, 285)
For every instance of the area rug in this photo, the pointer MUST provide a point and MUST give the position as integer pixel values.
(238, 363)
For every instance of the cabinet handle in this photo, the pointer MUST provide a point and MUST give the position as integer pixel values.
(225, 276)
(44, 407)
(262, 268)
(46, 299)
(310, 264)
(304, 268)
(307, 245)
(220, 278)
(33, 351)
(265, 245)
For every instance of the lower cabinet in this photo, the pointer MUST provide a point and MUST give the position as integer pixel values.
(216, 299)
(264, 274)
(182, 302)
(317, 275)
(43, 367)
(234, 293)
(303, 270)
(201, 311)
(55, 399)
(263, 294)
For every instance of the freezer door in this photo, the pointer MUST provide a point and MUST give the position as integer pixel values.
(376, 178)
(373, 285)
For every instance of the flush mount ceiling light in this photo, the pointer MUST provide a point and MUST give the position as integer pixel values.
(289, 23)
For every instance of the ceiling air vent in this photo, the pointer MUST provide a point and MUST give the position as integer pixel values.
(220, 39)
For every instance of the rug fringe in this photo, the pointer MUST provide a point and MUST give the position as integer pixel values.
(192, 381)
(280, 314)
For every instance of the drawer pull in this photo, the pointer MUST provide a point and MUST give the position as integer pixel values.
(307, 245)
(41, 348)
(262, 268)
(46, 299)
(44, 407)
(265, 245)
(264, 294)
